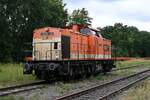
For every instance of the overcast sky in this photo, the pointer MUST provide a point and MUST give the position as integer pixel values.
(108, 12)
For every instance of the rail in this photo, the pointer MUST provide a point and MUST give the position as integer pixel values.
(21, 88)
(91, 89)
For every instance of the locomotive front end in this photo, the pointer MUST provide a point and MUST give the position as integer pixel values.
(46, 44)
(46, 49)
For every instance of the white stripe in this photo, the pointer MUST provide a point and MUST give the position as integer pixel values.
(74, 56)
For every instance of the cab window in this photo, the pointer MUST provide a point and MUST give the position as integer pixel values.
(55, 45)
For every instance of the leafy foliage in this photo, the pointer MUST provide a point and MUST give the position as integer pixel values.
(127, 40)
(18, 20)
(79, 16)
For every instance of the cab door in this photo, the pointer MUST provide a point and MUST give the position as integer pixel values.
(65, 40)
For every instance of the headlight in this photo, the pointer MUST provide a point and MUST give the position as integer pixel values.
(56, 56)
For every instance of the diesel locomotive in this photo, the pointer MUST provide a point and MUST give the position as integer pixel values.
(74, 51)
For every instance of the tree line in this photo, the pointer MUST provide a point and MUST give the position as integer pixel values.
(18, 19)
(127, 41)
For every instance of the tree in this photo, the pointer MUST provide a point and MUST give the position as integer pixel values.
(80, 16)
(20, 18)
(128, 40)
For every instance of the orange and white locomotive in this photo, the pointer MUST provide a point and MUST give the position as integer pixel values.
(69, 52)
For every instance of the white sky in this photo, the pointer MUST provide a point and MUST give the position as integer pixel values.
(107, 12)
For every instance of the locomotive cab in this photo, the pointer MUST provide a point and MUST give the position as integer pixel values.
(46, 44)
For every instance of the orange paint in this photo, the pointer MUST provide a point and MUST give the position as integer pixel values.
(79, 43)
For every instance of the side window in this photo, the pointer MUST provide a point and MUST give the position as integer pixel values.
(106, 48)
(44, 35)
(55, 45)
(50, 33)
(85, 31)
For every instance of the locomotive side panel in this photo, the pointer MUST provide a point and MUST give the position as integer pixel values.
(74, 46)
(107, 48)
(79, 46)
(91, 47)
(95, 46)
(84, 47)
(100, 48)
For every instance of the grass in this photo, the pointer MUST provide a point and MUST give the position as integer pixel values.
(64, 87)
(11, 97)
(140, 92)
(7, 98)
(125, 72)
(121, 64)
(12, 74)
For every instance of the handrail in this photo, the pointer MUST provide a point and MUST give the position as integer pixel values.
(38, 53)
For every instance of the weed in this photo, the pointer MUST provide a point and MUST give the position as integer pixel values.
(7, 98)
(13, 74)
(64, 87)
(121, 64)
(140, 92)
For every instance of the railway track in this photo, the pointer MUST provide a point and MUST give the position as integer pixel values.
(21, 88)
(106, 90)
(35, 85)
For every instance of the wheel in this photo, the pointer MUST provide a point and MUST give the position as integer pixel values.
(38, 74)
